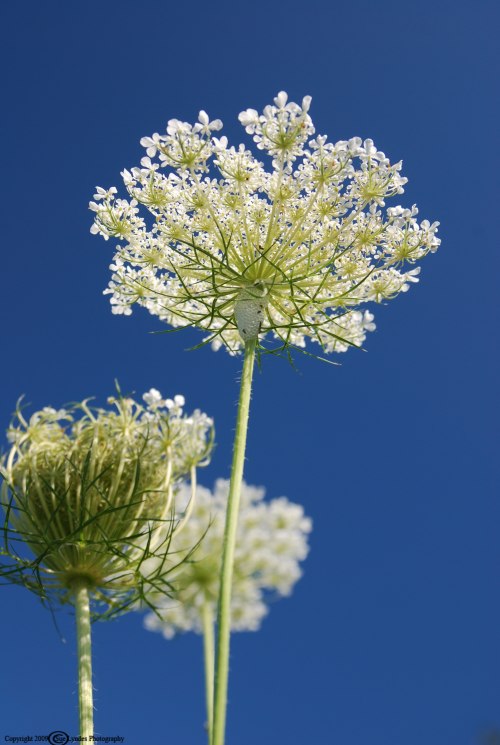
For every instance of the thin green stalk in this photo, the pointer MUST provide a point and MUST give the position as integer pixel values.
(209, 655)
(85, 699)
(226, 577)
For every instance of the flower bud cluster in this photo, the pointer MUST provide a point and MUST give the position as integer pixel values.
(90, 490)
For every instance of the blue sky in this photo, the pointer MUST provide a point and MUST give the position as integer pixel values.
(391, 637)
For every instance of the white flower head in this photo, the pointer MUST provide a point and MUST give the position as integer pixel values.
(153, 398)
(292, 250)
(272, 541)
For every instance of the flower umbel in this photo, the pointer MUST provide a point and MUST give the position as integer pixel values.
(240, 251)
(272, 540)
(90, 493)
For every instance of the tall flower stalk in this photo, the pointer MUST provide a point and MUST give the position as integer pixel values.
(226, 575)
(84, 652)
(209, 663)
(89, 503)
(261, 260)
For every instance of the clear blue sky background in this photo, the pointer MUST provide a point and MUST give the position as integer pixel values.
(392, 635)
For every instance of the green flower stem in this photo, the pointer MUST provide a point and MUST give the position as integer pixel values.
(85, 698)
(209, 654)
(226, 577)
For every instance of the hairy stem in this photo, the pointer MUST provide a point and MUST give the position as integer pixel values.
(209, 654)
(226, 576)
(85, 699)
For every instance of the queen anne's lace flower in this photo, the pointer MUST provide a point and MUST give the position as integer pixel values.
(241, 251)
(90, 492)
(272, 540)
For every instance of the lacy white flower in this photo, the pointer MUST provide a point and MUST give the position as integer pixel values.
(90, 492)
(242, 251)
(272, 540)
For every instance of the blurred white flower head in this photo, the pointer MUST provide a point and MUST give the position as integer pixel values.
(240, 251)
(271, 543)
